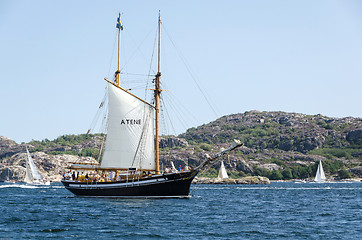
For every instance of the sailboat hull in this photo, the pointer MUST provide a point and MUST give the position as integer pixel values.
(174, 185)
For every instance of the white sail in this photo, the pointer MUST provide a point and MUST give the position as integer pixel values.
(130, 132)
(222, 172)
(28, 175)
(32, 172)
(320, 176)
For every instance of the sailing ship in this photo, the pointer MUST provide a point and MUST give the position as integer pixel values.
(222, 172)
(320, 176)
(32, 174)
(130, 163)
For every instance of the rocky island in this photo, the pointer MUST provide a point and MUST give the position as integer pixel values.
(277, 145)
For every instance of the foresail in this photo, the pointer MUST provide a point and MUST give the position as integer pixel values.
(130, 132)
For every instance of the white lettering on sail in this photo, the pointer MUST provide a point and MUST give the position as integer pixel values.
(131, 121)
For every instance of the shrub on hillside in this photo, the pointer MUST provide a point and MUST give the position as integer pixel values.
(343, 174)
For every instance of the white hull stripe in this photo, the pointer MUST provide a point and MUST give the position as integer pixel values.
(116, 185)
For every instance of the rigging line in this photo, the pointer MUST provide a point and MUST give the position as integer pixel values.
(193, 76)
(104, 130)
(132, 80)
(101, 149)
(137, 87)
(136, 74)
(96, 117)
(168, 116)
(164, 125)
(110, 64)
(138, 48)
(138, 78)
(150, 68)
(174, 101)
(178, 115)
(180, 108)
(139, 151)
(201, 172)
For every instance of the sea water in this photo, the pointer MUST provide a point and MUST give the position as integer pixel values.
(275, 211)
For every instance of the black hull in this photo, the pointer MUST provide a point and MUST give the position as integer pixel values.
(176, 185)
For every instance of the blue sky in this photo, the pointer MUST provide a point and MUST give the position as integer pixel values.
(293, 56)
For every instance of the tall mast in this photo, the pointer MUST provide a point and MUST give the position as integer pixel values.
(157, 97)
(120, 27)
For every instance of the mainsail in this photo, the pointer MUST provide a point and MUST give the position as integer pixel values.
(320, 173)
(28, 175)
(130, 132)
(222, 172)
(32, 172)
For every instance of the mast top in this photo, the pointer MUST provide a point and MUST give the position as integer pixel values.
(120, 27)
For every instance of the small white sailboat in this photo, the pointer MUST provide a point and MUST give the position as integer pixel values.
(222, 172)
(32, 175)
(320, 176)
(173, 168)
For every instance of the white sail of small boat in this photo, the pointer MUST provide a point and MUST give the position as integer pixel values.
(32, 175)
(173, 168)
(222, 172)
(320, 176)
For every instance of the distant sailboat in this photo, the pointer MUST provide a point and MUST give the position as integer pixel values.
(222, 172)
(173, 168)
(32, 175)
(320, 177)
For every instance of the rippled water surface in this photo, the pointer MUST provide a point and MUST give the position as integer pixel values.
(275, 211)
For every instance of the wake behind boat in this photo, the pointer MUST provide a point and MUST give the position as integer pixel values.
(130, 161)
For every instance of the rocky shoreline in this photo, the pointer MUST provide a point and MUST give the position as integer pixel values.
(244, 180)
(277, 145)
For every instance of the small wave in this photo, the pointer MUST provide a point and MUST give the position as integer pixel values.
(55, 230)
(211, 187)
(12, 219)
(298, 188)
(15, 185)
(195, 196)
